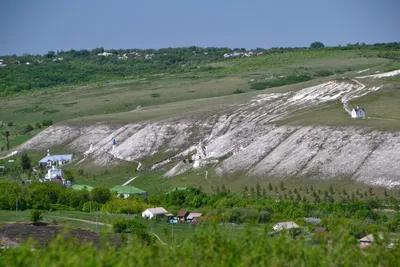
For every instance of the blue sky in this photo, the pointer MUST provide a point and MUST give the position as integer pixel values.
(39, 26)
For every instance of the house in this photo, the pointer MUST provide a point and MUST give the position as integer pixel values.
(154, 212)
(3, 63)
(50, 160)
(320, 230)
(82, 187)
(127, 191)
(193, 215)
(366, 241)
(226, 55)
(285, 225)
(182, 215)
(149, 56)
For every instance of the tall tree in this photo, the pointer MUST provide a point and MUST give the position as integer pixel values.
(26, 162)
(316, 45)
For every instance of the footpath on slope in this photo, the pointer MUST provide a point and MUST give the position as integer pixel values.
(99, 223)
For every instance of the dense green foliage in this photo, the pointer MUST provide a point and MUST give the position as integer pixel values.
(357, 216)
(210, 246)
(77, 67)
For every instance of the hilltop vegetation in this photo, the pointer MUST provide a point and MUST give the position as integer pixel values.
(84, 66)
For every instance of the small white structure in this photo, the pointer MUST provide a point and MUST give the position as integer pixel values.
(285, 226)
(58, 59)
(226, 55)
(149, 56)
(105, 54)
(2, 63)
(154, 212)
(124, 56)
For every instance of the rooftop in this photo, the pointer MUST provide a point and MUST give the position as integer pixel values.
(158, 210)
(320, 230)
(126, 189)
(66, 157)
(287, 225)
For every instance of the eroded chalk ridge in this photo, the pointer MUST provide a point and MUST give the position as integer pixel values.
(245, 140)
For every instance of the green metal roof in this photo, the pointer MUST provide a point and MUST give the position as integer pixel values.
(126, 189)
(82, 187)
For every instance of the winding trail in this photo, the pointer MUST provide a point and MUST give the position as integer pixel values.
(99, 223)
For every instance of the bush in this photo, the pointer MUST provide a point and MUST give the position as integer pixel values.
(135, 227)
(10, 123)
(324, 73)
(47, 123)
(238, 91)
(38, 125)
(36, 216)
(26, 129)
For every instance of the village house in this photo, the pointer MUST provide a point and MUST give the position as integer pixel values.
(285, 226)
(182, 215)
(105, 54)
(366, 241)
(126, 191)
(193, 215)
(154, 212)
(3, 63)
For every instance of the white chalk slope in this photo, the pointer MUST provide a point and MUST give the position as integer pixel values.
(247, 140)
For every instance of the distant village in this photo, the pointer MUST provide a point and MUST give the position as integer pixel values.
(135, 55)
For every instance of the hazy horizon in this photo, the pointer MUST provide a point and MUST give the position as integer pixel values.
(36, 28)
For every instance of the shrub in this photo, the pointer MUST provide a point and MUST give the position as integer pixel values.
(26, 129)
(324, 73)
(38, 125)
(47, 122)
(36, 216)
(238, 91)
(10, 123)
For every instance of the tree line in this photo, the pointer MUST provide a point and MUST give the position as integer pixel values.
(85, 66)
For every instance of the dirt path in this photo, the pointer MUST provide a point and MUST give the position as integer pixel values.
(130, 180)
(9, 155)
(100, 223)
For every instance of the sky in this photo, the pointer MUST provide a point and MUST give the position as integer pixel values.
(36, 27)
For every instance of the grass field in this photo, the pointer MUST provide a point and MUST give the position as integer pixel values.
(62, 103)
